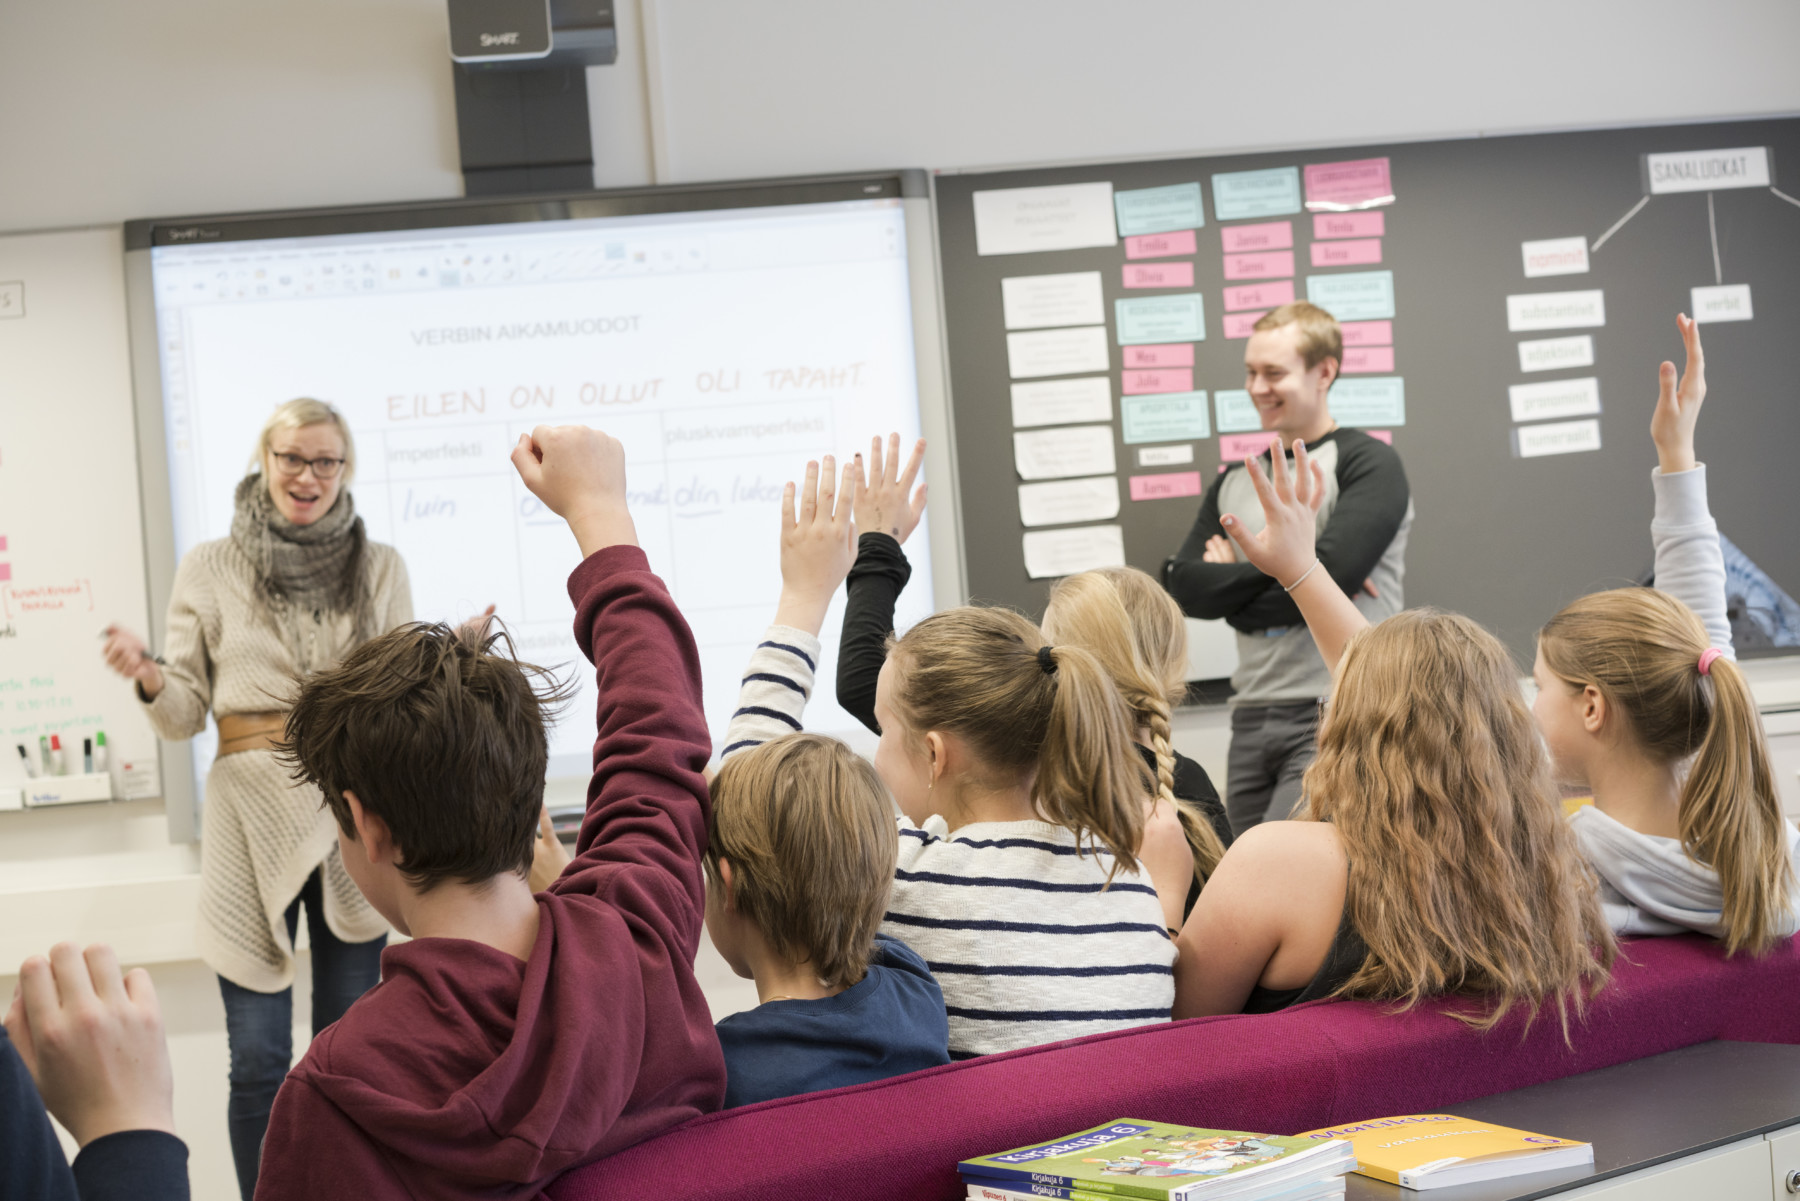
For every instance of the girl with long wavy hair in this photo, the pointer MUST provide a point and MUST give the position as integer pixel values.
(1432, 856)
(1642, 703)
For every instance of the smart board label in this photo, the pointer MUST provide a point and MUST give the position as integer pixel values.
(1555, 354)
(1707, 170)
(1555, 398)
(1555, 310)
(1555, 256)
(1726, 302)
(1556, 438)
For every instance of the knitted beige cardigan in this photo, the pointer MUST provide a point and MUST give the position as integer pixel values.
(261, 834)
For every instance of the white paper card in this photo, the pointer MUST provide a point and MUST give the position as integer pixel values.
(1057, 351)
(1165, 456)
(1062, 217)
(1708, 170)
(140, 778)
(1555, 310)
(1726, 302)
(1063, 501)
(1556, 438)
(1050, 553)
(1040, 301)
(1059, 453)
(1553, 354)
(1062, 401)
(1555, 398)
(1555, 256)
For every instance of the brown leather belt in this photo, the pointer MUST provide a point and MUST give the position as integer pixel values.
(250, 732)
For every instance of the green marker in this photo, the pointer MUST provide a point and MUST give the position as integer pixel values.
(44, 753)
(99, 750)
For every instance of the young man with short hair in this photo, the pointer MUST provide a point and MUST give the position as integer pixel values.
(515, 1036)
(1290, 362)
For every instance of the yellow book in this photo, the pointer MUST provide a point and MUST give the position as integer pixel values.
(1433, 1150)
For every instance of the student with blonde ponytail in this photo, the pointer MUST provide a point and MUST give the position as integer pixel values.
(1641, 701)
(1023, 803)
(1134, 627)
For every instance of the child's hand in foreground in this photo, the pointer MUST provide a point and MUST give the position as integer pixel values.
(818, 543)
(579, 474)
(1283, 548)
(1678, 406)
(882, 506)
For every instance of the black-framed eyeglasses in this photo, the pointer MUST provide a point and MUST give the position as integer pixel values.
(324, 468)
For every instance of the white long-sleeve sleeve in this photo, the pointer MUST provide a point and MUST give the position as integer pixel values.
(777, 684)
(1689, 564)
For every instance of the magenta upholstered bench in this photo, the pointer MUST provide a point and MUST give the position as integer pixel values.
(1313, 1065)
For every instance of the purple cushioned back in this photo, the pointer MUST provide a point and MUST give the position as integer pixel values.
(1313, 1065)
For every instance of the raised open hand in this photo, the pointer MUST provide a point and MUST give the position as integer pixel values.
(882, 504)
(1678, 405)
(818, 543)
(1283, 548)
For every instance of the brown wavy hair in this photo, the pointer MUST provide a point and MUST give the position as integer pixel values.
(1464, 876)
(975, 672)
(1129, 622)
(1641, 648)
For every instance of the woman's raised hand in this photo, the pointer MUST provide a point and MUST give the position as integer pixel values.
(127, 655)
(882, 505)
(1283, 548)
(818, 543)
(1678, 405)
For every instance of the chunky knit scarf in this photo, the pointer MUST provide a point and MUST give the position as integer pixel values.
(304, 568)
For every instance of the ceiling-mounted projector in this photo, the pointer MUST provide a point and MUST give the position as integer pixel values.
(532, 33)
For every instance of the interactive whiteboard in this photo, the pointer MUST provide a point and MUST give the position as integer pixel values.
(724, 343)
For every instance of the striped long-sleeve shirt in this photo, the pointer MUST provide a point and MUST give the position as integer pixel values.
(1027, 938)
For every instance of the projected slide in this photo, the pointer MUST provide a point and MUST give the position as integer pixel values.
(723, 348)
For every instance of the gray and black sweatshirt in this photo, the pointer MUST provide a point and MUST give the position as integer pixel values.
(1362, 532)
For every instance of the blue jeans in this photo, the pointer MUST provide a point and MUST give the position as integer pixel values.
(260, 1026)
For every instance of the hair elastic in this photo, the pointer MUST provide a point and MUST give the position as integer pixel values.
(1046, 660)
(1706, 659)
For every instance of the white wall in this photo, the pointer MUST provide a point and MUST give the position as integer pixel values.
(822, 85)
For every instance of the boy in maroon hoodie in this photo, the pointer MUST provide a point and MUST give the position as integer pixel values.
(515, 1036)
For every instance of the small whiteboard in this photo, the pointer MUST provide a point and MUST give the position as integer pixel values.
(71, 539)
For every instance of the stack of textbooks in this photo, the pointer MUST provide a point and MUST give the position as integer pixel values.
(1129, 1158)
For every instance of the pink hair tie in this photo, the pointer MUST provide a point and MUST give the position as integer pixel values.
(1706, 658)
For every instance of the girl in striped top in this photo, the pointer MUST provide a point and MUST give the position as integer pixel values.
(1022, 803)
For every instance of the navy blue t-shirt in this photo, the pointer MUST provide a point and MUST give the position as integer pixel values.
(889, 1023)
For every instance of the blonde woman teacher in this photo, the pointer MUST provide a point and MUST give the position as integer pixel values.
(294, 588)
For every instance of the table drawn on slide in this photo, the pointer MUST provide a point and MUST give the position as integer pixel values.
(724, 350)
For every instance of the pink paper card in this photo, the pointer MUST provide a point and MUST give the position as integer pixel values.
(2, 541)
(1368, 333)
(1160, 246)
(1172, 354)
(1349, 225)
(1235, 448)
(1351, 185)
(1381, 435)
(1259, 296)
(1259, 266)
(1344, 254)
(1242, 325)
(1269, 235)
(1164, 485)
(5, 572)
(1368, 360)
(1159, 275)
(1167, 379)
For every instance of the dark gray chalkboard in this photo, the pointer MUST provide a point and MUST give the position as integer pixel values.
(1503, 539)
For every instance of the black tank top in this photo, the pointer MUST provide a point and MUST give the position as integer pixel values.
(1341, 962)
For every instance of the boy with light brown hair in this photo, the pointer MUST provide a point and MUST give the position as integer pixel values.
(800, 860)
